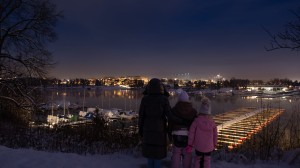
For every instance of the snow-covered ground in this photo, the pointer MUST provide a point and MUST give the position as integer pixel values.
(28, 158)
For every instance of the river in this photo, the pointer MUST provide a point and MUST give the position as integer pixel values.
(129, 99)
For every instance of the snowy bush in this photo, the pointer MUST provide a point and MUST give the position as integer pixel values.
(94, 138)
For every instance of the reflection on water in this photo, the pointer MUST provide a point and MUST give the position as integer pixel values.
(130, 99)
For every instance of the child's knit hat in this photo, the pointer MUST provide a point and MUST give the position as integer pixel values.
(183, 96)
(205, 106)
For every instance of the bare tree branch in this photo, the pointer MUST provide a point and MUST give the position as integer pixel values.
(289, 38)
(26, 26)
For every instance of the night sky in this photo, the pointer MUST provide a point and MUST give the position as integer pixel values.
(167, 38)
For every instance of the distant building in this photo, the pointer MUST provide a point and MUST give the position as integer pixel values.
(128, 81)
(109, 81)
(92, 81)
(218, 78)
(267, 88)
(137, 81)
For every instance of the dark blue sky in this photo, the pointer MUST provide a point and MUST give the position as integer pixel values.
(159, 38)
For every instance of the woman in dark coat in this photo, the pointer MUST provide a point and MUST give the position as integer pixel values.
(153, 114)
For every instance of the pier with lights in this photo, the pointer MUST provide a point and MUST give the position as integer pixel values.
(234, 127)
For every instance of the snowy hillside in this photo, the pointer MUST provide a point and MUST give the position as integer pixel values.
(28, 158)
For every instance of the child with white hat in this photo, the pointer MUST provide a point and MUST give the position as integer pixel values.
(203, 135)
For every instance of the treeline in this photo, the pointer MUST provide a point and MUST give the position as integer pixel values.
(199, 84)
(56, 82)
(85, 82)
(243, 83)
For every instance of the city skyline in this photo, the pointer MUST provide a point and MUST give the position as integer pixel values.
(162, 39)
(180, 77)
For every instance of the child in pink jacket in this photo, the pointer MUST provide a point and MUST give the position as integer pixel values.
(203, 136)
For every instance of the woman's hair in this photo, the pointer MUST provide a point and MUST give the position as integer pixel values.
(155, 86)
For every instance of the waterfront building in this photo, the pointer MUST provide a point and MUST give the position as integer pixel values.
(268, 89)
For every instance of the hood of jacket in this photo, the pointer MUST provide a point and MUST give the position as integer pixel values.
(184, 110)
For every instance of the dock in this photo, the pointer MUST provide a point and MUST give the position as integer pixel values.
(234, 127)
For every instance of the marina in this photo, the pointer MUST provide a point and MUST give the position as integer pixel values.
(238, 117)
(234, 127)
